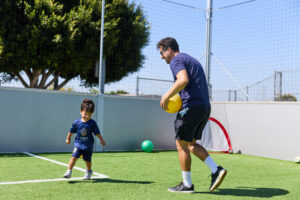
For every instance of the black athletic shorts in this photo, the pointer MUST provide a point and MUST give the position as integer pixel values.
(190, 122)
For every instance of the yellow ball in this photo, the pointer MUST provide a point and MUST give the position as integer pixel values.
(174, 104)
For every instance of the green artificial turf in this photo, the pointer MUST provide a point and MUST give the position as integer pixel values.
(143, 176)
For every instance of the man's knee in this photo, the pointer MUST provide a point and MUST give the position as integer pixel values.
(191, 147)
(181, 145)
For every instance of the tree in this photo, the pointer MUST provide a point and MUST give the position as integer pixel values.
(47, 39)
(118, 92)
(286, 97)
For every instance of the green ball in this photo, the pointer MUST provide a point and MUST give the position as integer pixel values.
(147, 146)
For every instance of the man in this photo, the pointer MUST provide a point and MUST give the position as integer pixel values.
(190, 83)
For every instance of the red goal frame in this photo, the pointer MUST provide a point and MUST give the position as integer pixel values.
(225, 133)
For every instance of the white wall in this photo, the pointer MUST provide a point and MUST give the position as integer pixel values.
(128, 121)
(38, 121)
(267, 129)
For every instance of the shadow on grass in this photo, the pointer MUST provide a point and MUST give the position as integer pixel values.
(109, 153)
(108, 180)
(25, 155)
(250, 192)
(12, 155)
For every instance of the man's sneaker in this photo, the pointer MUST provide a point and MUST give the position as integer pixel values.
(181, 188)
(217, 178)
(68, 174)
(87, 174)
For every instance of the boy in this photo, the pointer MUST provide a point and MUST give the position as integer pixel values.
(84, 141)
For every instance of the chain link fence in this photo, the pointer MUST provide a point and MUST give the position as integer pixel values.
(255, 49)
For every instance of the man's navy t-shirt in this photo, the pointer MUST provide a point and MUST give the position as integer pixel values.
(84, 139)
(196, 91)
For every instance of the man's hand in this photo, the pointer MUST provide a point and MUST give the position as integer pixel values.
(164, 102)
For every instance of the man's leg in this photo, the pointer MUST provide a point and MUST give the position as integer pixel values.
(201, 153)
(184, 155)
(197, 150)
(218, 173)
(185, 163)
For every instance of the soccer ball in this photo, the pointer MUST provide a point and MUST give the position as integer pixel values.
(297, 159)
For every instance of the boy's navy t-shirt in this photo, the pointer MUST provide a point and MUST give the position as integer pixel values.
(196, 91)
(84, 139)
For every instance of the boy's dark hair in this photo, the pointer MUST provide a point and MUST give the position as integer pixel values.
(168, 42)
(87, 105)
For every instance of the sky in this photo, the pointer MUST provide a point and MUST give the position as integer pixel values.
(249, 42)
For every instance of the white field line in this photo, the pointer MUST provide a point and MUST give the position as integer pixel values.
(98, 176)
(64, 164)
(45, 180)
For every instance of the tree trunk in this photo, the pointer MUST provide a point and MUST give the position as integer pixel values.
(34, 75)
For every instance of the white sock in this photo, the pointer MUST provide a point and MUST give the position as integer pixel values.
(211, 164)
(187, 178)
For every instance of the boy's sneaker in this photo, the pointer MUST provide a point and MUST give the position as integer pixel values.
(181, 188)
(217, 178)
(88, 174)
(68, 174)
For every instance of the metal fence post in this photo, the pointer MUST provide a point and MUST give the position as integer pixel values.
(101, 66)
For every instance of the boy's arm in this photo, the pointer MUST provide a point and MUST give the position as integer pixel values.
(68, 138)
(101, 139)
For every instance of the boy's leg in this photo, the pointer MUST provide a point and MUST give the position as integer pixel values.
(72, 162)
(88, 165)
(89, 172)
(75, 155)
(87, 157)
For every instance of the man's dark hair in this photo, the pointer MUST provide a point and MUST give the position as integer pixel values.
(87, 105)
(168, 42)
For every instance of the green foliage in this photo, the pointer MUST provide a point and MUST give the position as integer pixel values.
(286, 97)
(62, 38)
(94, 91)
(66, 89)
(117, 92)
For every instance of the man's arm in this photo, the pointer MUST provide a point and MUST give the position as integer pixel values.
(180, 83)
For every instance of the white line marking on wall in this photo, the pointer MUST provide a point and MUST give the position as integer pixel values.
(45, 180)
(64, 164)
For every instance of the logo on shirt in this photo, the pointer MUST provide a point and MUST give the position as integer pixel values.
(83, 132)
